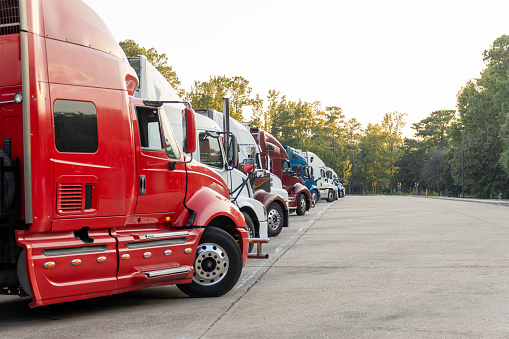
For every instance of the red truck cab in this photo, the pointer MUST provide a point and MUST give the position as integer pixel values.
(96, 198)
(299, 198)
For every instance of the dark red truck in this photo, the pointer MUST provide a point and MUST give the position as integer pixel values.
(299, 198)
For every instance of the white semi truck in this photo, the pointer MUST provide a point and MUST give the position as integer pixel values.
(154, 86)
(328, 190)
(268, 187)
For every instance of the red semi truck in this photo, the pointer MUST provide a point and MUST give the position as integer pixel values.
(299, 198)
(96, 198)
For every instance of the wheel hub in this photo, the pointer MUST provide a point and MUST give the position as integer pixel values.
(274, 219)
(211, 264)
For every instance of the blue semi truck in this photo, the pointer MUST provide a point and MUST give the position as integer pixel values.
(299, 165)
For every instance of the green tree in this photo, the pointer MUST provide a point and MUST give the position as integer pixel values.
(393, 124)
(483, 105)
(376, 158)
(435, 127)
(160, 61)
(210, 94)
(353, 134)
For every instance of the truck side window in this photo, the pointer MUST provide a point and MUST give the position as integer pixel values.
(322, 173)
(286, 165)
(150, 129)
(172, 150)
(305, 172)
(75, 126)
(210, 151)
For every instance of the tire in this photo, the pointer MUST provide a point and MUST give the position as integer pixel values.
(223, 259)
(336, 196)
(10, 185)
(314, 198)
(301, 204)
(274, 219)
(330, 196)
(250, 228)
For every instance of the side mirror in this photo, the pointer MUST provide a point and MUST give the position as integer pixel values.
(248, 166)
(233, 152)
(189, 126)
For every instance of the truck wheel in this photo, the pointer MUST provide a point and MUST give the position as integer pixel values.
(250, 228)
(217, 265)
(9, 180)
(274, 219)
(301, 204)
(330, 196)
(314, 198)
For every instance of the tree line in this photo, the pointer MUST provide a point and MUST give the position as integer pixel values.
(469, 144)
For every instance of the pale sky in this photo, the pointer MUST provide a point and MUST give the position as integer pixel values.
(367, 57)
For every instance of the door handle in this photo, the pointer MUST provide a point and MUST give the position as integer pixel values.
(142, 185)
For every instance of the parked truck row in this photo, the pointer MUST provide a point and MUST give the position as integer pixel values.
(109, 182)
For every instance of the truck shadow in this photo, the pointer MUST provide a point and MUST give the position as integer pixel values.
(14, 309)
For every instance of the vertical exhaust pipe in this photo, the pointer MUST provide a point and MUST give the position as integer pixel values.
(226, 124)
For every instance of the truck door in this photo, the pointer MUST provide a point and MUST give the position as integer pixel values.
(161, 181)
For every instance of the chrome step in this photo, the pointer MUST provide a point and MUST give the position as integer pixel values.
(169, 271)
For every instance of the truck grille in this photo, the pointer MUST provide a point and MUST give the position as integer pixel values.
(9, 17)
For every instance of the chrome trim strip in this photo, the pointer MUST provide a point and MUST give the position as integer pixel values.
(167, 235)
(74, 250)
(155, 243)
(7, 102)
(168, 271)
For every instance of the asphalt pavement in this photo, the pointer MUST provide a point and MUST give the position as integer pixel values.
(360, 267)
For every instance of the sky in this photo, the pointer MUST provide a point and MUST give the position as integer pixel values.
(367, 57)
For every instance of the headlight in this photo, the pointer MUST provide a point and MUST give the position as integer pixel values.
(18, 98)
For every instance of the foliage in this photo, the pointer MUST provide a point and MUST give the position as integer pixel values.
(132, 49)
(483, 107)
(210, 94)
(479, 130)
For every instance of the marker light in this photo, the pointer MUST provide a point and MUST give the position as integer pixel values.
(147, 255)
(76, 262)
(188, 251)
(49, 264)
(101, 259)
(18, 98)
(126, 256)
(167, 252)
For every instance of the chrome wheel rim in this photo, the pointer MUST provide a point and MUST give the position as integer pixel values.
(211, 264)
(274, 219)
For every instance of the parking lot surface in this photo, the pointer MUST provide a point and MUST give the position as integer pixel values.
(370, 267)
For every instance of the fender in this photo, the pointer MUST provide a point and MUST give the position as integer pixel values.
(208, 205)
(314, 188)
(298, 188)
(267, 198)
